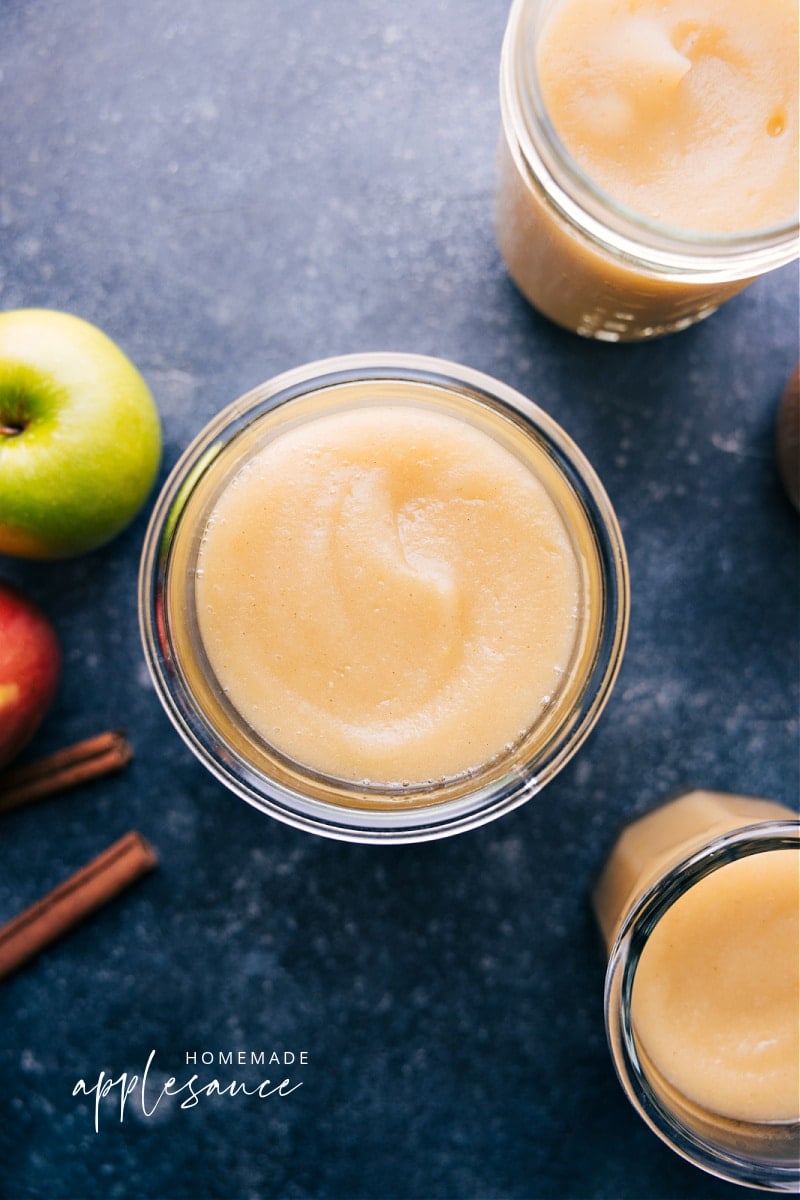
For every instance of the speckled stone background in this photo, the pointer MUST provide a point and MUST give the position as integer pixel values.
(229, 190)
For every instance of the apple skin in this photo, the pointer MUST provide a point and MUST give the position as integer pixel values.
(80, 437)
(30, 670)
(787, 437)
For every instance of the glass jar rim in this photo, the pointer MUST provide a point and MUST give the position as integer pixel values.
(543, 157)
(636, 927)
(399, 824)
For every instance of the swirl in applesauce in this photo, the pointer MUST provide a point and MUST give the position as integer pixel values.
(388, 594)
(686, 111)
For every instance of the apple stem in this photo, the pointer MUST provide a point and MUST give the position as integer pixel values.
(11, 430)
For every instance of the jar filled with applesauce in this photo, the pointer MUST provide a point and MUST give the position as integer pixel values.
(384, 598)
(648, 159)
(699, 906)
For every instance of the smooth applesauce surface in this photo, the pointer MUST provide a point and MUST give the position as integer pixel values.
(387, 594)
(716, 996)
(686, 111)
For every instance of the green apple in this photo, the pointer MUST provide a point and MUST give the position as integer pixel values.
(80, 438)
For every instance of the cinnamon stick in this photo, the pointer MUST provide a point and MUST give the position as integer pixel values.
(73, 900)
(86, 760)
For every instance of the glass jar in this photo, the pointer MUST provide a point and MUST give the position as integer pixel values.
(584, 260)
(669, 1049)
(220, 736)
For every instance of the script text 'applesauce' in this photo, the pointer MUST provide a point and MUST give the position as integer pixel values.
(146, 1094)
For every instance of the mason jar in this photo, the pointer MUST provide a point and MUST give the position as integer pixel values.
(699, 905)
(264, 763)
(586, 261)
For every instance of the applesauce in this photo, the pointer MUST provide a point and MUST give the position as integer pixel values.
(387, 594)
(648, 164)
(699, 904)
(384, 597)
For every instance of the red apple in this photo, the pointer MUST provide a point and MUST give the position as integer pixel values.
(30, 668)
(788, 437)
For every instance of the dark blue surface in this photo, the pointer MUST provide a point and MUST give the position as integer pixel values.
(230, 190)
